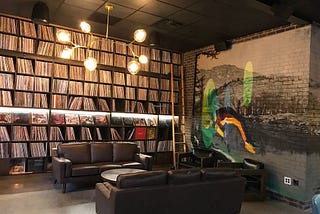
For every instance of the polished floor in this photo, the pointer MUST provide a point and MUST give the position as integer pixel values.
(36, 193)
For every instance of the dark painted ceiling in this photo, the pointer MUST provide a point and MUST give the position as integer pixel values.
(180, 24)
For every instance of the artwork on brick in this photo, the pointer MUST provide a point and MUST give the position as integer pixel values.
(261, 100)
(234, 112)
(241, 111)
(220, 123)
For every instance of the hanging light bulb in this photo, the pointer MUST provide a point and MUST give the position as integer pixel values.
(134, 67)
(140, 35)
(143, 59)
(66, 53)
(63, 36)
(85, 27)
(90, 63)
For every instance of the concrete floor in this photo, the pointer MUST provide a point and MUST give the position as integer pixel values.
(36, 193)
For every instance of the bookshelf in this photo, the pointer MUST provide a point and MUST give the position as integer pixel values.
(46, 100)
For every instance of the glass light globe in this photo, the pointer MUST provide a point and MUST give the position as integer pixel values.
(85, 27)
(63, 36)
(66, 53)
(143, 59)
(140, 35)
(90, 63)
(133, 67)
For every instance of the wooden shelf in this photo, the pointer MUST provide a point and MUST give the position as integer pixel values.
(37, 78)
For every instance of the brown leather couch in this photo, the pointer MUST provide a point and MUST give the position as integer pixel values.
(186, 191)
(84, 162)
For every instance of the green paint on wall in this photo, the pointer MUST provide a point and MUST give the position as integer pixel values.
(209, 105)
(247, 83)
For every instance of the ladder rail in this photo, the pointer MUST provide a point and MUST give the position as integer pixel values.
(183, 125)
(181, 116)
(172, 119)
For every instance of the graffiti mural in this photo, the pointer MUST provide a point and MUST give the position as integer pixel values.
(221, 126)
(238, 111)
(261, 100)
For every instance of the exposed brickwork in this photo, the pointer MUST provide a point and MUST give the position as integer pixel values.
(313, 158)
(289, 78)
(189, 63)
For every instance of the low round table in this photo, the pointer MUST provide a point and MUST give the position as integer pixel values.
(112, 174)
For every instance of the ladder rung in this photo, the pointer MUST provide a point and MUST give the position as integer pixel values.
(180, 143)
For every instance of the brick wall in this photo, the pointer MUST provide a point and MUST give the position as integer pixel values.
(189, 64)
(313, 156)
(283, 118)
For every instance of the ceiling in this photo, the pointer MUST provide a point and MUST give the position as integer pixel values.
(180, 25)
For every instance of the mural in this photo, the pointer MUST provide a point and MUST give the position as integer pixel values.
(241, 112)
(219, 124)
(261, 100)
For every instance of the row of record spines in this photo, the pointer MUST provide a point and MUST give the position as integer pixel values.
(39, 84)
(154, 146)
(78, 119)
(27, 45)
(39, 133)
(20, 150)
(25, 99)
(27, 28)
(25, 66)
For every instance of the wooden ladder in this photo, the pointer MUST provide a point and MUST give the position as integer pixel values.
(180, 145)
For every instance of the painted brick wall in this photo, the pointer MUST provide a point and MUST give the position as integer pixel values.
(189, 64)
(313, 156)
(286, 66)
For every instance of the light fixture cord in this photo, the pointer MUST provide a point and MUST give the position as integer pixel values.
(133, 54)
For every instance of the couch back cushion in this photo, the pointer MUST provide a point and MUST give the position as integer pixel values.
(183, 176)
(140, 179)
(76, 152)
(124, 151)
(101, 152)
(216, 174)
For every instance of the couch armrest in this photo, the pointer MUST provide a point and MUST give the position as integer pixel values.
(146, 160)
(61, 168)
(105, 189)
(105, 200)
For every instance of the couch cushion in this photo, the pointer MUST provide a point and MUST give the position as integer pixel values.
(140, 179)
(216, 174)
(101, 152)
(124, 151)
(83, 170)
(183, 176)
(77, 153)
(107, 166)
